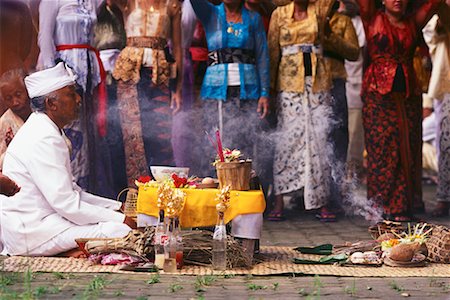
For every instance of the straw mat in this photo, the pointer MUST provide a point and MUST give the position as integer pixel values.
(277, 261)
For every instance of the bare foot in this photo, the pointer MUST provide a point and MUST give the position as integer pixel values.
(75, 253)
(441, 209)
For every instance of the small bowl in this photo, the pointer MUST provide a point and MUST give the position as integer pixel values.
(161, 173)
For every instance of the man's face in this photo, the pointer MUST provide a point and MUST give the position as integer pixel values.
(15, 96)
(68, 104)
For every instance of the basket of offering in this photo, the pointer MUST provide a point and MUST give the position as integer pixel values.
(439, 245)
(235, 174)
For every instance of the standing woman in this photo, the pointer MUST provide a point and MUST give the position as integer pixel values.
(236, 83)
(66, 33)
(392, 108)
(144, 70)
(301, 78)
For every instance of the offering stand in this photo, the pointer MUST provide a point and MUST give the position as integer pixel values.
(245, 211)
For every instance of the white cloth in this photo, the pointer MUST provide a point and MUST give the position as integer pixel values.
(69, 22)
(429, 129)
(247, 226)
(108, 58)
(65, 241)
(46, 81)
(188, 22)
(355, 68)
(234, 78)
(49, 201)
(440, 74)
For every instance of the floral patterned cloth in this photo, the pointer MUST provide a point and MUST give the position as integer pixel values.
(302, 151)
(287, 71)
(9, 125)
(392, 109)
(393, 135)
(69, 22)
(443, 191)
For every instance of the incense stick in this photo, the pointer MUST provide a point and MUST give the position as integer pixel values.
(219, 145)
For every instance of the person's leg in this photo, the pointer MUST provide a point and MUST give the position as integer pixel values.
(443, 189)
(356, 141)
(339, 137)
(130, 118)
(386, 183)
(65, 241)
(438, 115)
(156, 120)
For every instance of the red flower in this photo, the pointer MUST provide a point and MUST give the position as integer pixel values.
(144, 179)
(179, 181)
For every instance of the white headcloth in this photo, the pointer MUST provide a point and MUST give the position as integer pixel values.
(49, 80)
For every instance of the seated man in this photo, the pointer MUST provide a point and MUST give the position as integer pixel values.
(15, 98)
(51, 211)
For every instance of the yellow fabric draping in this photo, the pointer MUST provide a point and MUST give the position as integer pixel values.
(200, 207)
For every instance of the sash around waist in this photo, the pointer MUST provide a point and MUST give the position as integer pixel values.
(231, 55)
(151, 42)
(300, 48)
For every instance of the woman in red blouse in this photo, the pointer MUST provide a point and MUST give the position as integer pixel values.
(392, 105)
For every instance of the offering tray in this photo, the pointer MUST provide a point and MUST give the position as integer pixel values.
(417, 261)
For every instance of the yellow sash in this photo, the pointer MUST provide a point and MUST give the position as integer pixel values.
(200, 207)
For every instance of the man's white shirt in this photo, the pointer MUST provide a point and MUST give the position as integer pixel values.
(49, 201)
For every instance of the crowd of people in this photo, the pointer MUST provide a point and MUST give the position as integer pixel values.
(306, 88)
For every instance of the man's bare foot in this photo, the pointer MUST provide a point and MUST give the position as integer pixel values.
(441, 209)
(75, 253)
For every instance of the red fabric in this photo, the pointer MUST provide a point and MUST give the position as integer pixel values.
(392, 121)
(387, 47)
(102, 93)
(393, 131)
(199, 53)
(199, 47)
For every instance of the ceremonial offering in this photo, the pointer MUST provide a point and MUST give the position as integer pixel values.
(136, 243)
(219, 251)
(439, 245)
(365, 258)
(172, 201)
(162, 173)
(235, 174)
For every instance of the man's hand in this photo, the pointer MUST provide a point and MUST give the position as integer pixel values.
(7, 186)
(263, 107)
(130, 222)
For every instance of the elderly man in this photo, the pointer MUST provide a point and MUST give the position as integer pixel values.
(51, 211)
(14, 96)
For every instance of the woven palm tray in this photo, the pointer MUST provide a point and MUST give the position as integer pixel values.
(277, 261)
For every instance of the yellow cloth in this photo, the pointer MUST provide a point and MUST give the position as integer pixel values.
(200, 207)
(343, 42)
(287, 71)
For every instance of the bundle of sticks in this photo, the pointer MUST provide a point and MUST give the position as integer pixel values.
(198, 250)
(136, 242)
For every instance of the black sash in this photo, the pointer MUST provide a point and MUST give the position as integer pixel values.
(231, 55)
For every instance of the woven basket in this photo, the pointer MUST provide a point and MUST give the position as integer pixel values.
(130, 201)
(236, 174)
(439, 245)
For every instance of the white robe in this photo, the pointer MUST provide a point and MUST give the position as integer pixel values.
(49, 202)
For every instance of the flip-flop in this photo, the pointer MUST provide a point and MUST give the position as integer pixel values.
(275, 216)
(326, 217)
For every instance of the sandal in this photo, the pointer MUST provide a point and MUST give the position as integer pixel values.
(275, 216)
(326, 216)
(400, 218)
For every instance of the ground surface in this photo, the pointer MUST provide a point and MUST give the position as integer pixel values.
(299, 229)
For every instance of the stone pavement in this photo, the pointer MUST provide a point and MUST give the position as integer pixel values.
(299, 229)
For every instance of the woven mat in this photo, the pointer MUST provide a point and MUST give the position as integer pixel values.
(277, 262)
